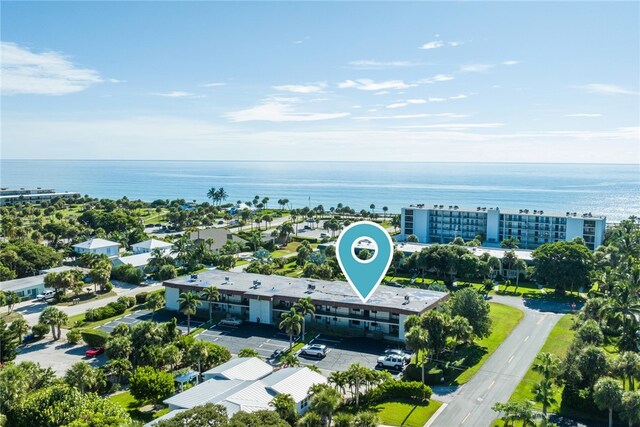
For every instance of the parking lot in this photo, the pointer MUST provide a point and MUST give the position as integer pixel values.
(342, 352)
(142, 315)
(264, 339)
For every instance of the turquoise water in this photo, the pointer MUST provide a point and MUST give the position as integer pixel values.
(612, 190)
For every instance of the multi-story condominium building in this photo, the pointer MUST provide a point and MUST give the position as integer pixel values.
(10, 196)
(262, 299)
(532, 228)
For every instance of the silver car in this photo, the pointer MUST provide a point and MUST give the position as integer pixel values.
(230, 321)
(317, 350)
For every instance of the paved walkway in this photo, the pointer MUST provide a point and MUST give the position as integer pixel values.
(471, 403)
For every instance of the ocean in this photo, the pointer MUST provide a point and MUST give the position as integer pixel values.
(611, 190)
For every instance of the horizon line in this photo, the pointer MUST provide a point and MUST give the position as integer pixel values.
(322, 161)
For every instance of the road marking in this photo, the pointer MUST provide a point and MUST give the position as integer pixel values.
(464, 420)
(540, 321)
(511, 358)
(491, 385)
(526, 339)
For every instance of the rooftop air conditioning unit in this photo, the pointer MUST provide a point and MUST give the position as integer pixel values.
(540, 212)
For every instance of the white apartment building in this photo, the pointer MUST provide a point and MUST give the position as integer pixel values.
(442, 224)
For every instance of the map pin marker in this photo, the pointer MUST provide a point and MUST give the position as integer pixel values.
(364, 276)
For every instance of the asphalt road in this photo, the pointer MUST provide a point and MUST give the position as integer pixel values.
(470, 404)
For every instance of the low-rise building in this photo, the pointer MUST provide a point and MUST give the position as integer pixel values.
(9, 196)
(262, 299)
(246, 384)
(149, 245)
(29, 287)
(98, 246)
(215, 238)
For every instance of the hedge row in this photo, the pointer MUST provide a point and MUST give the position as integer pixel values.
(410, 390)
(94, 337)
(109, 310)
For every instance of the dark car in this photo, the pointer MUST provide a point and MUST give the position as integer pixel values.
(28, 338)
(94, 351)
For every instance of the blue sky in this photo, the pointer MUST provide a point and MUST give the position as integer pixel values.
(448, 81)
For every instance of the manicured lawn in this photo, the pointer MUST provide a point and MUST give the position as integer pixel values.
(129, 403)
(289, 249)
(80, 318)
(557, 343)
(503, 320)
(400, 412)
(88, 297)
(10, 317)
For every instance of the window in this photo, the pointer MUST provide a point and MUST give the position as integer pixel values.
(355, 322)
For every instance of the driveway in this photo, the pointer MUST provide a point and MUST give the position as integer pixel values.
(57, 355)
(265, 339)
(471, 403)
(342, 352)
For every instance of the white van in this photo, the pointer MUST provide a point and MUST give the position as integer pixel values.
(46, 295)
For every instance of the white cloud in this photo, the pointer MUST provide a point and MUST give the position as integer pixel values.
(397, 105)
(476, 68)
(436, 79)
(178, 94)
(432, 45)
(115, 81)
(583, 115)
(301, 40)
(382, 92)
(278, 111)
(367, 64)
(370, 85)
(46, 73)
(607, 89)
(461, 96)
(455, 43)
(455, 126)
(410, 116)
(306, 88)
(215, 84)
(416, 101)
(436, 99)
(511, 62)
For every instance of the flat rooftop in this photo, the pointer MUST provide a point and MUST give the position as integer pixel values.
(326, 292)
(523, 211)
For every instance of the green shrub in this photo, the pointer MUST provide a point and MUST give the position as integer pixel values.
(127, 273)
(94, 337)
(410, 390)
(141, 298)
(40, 330)
(74, 336)
(127, 301)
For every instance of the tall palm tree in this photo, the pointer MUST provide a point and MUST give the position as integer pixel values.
(543, 393)
(198, 352)
(339, 380)
(607, 394)
(154, 302)
(222, 195)
(547, 364)
(630, 407)
(213, 195)
(82, 376)
(626, 365)
(519, 266)
(291, 323)
(55, 318)
(290, 360)
(306, 308)
(19, 327)
(417, 339)
(119, 368)
(211, 294)
(188, 303)
(325, 403)
(284, 405)
(357, 375)
(460, 330)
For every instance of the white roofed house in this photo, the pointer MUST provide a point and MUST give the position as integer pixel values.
(149, 245)
(247, 384)
(98, 246)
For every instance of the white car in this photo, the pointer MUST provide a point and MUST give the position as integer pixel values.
(318, 350)
(46, 295)
(400, 353)
(230, 321)
(392, 362)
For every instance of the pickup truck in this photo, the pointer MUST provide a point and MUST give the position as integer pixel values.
(46, 295)
(391, 361)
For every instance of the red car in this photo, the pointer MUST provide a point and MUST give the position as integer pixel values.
(94, 351)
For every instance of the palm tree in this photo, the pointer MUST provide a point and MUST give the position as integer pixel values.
(547, 364)
(290, 360)
(285, 406)
(339, 380)
(188, 303)
(55, 318)
(385, 209)
(19, 327)
(197, 353)
(171, 355)
(291, 323)
(543, 393)
(357, 375)
(626, 365)
(155, 301)
(460, 330)
(119, 368)
(82, 376)
(310, 419)
(306, 308)
(417, 339)
(213, 195)
(325, 403)
(630, 407)
(607, 394)
(222, 195)
(211, 294)
(519, 266)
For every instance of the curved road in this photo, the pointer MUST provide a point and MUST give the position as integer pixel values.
(470, 404)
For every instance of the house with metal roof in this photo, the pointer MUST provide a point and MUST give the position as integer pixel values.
(98, 246)
(149, 245)
(236, 393)
(29, 287)
(262, 299)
